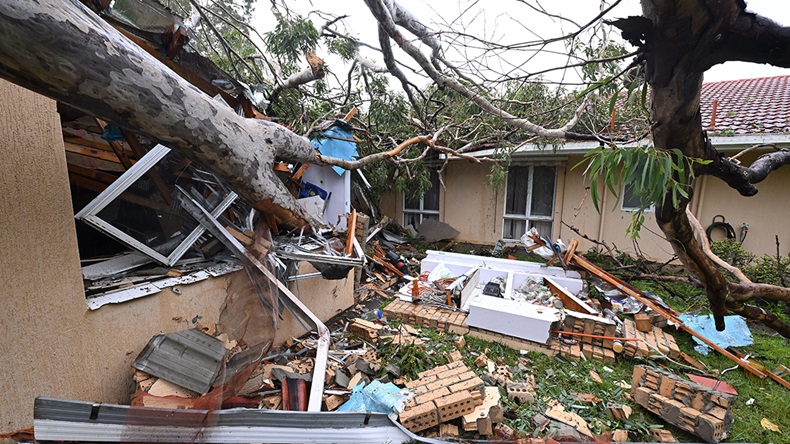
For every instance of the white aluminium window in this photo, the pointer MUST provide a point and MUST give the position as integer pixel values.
(529, 200)
(415, 210)
(631, 202)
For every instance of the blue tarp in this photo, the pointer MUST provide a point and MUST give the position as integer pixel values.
(736, 334)
(375, 397)
(333, 146)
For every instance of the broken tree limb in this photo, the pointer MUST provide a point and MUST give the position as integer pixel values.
(669, 314)
(312, 73)
(86, 63)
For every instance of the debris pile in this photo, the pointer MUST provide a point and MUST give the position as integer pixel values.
(685, 404)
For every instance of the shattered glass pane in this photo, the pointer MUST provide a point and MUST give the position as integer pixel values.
(143, 213)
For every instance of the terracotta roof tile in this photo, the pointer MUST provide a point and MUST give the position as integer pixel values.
(747, 106)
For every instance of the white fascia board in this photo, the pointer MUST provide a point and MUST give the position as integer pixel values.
(722, 143)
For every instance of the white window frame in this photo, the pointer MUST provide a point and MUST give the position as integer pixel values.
(422, 212)
(90, 214)
(628, 209)
(528, 217)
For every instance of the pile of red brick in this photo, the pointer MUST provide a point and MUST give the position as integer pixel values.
(692, 407)
(442, 394)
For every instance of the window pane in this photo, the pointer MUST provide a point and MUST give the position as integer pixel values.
(542, 191)
(630, 199)
(412, 219)
(513, 228)
(411, 203)
(430, 200)
(516, 193)
(543, 227)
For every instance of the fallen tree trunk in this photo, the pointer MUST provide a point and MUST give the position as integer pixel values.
(64, 51)
(679, 40)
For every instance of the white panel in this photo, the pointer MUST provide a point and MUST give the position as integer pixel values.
(519, 319)
(339, 201)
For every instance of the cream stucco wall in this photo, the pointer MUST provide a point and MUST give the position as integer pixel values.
(767, 212)
(476, 210)
(52, 345)
(611, 224)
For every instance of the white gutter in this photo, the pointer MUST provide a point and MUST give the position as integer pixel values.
(722, 143)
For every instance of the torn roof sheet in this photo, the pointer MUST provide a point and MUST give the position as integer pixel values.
(189, 358)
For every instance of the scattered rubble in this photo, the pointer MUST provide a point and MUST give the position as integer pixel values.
(376, 359)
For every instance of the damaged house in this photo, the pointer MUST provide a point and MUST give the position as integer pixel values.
(82, 297)
(543, 189)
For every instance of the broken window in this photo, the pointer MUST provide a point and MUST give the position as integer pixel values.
(424, 207)
(632, 202)
(137, 213)
(529, 200)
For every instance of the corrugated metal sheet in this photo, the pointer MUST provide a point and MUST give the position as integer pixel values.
(189, 358)
(60, 420)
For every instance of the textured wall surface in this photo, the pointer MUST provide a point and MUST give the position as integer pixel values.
(51, 344)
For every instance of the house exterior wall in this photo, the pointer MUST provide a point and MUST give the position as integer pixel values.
(767, 212)
(52, 345)
(476, 210)
(611, 223)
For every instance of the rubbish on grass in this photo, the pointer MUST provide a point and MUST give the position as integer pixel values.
(737, 333)
(768, 425)
(557, 411)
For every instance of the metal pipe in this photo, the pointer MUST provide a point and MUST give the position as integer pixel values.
(291, 301)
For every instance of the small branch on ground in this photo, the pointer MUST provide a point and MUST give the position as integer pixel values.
(603, 244)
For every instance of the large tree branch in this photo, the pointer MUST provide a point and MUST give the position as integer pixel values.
(387, 11)
(752, 38)
(64, 51)
(758, 314)
(743, 178)
(315, 71)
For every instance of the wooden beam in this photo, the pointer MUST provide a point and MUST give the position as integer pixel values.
(89, 173)
(92, 152)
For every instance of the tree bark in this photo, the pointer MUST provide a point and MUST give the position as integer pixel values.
(64, 51)
(679, 40)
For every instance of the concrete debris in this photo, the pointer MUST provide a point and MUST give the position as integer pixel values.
(433, 230)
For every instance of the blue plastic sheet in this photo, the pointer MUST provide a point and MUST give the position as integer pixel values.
(338, 142)
(375, 397)
(736, 334)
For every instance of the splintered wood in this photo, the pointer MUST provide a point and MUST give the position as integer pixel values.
(689, 406)
(441, 394)
(656, 339)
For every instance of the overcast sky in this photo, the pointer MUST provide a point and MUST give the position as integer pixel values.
(507, 22)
